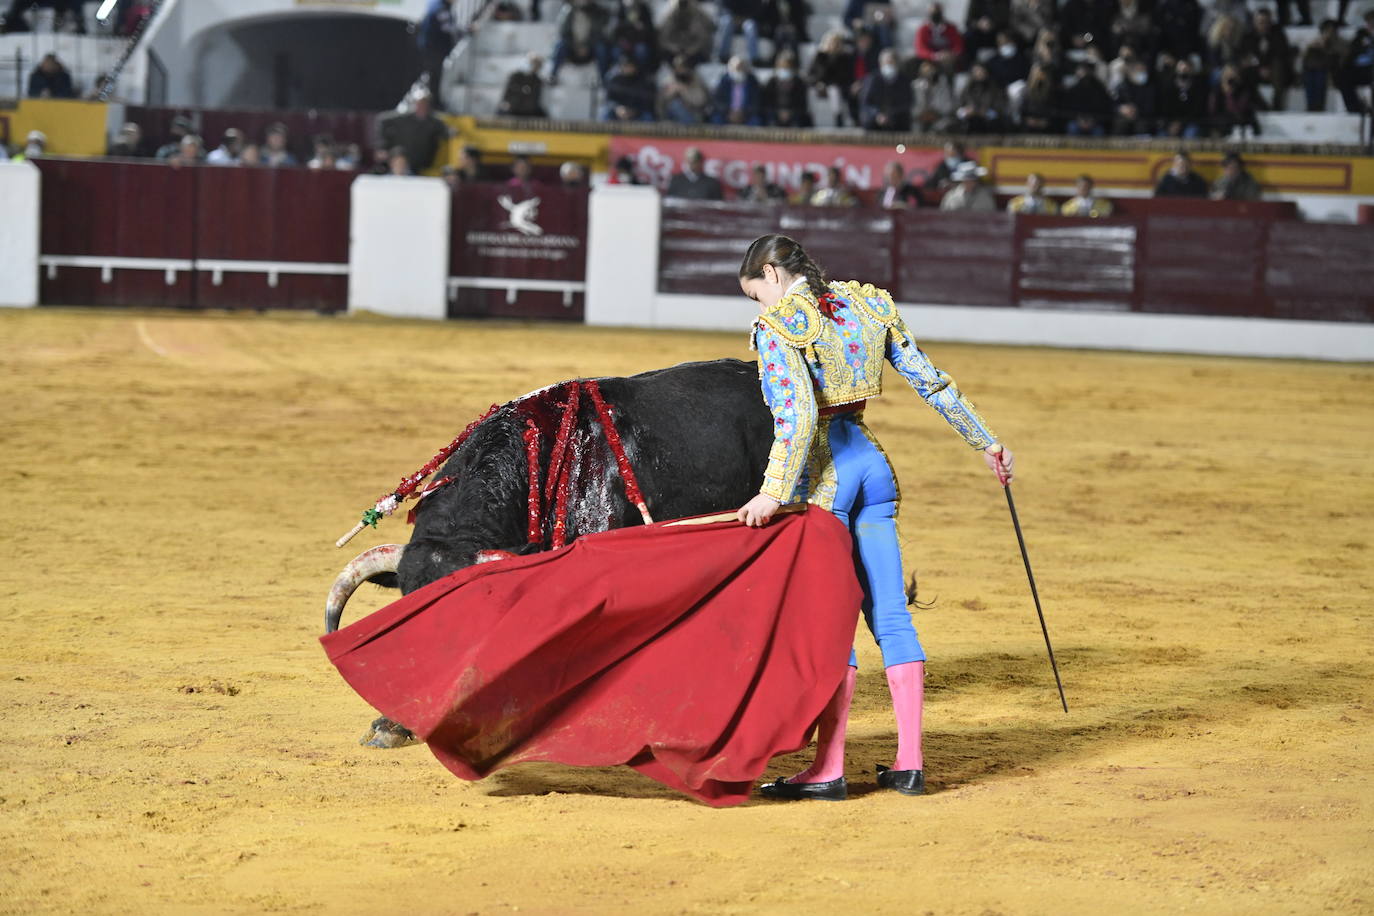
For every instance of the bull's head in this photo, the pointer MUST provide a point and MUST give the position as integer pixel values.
(378, 564)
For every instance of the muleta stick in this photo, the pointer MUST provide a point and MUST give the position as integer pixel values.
(1035, 594)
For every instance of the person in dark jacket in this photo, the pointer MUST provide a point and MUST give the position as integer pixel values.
(1233, 103)
(897, 193)
(1010, 64)
(524, 93)
(51, 80)
(581, 38)
(1088, 103)
(692, 182)
(760, 190)
(886, 99)
(630, 94)
(1183, 103)
(1181, 180)
(832, 74)
(1235, 183)
(419, 134)
(1134, 102)
(634, 36)
(784, 95)
(436, 36)
(738, 96)
(1273, 56)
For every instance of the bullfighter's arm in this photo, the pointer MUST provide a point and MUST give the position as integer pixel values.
(788, 393)
(935, 387)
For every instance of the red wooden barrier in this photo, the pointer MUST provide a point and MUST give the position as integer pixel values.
(518, 253)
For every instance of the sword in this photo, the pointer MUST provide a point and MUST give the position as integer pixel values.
(1025, 558)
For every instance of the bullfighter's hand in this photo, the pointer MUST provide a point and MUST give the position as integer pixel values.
(758, 511)
(1000, 461)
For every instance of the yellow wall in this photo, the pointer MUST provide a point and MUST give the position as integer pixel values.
(74, 128)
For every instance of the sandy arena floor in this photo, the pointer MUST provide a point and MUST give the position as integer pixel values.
(177, 742)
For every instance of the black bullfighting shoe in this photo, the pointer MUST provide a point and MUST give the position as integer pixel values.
(834, 790)
(908, 782)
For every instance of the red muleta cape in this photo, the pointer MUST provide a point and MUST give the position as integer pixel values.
(692, 653)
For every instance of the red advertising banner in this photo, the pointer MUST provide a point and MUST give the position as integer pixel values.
(730, 161)
(518, 252)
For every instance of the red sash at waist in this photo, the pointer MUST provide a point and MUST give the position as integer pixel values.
(843, 408)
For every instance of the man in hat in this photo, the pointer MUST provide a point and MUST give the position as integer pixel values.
(181, 126)
(128, 143)
(229, 150)
(36, 144)
(969, 192)
(1235, 183)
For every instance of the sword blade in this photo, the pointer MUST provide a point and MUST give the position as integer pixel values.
(1025, 558)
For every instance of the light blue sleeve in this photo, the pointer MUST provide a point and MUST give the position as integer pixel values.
(787, 391)
(936, 388)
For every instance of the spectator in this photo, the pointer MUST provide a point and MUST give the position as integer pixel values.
(572, 176)
(969, 193)
(326, 158)
(1039, 102)
(348, 156)
(51, 80)
(419, 133)
(784, 21)
(738, 97)
(760, 190)
(1321, 60)
(1048, 55)
(866, 51)
(1273, 57)
(1010, 64)
(1235, 183)
(1304, 10)
(684, 98)
(942, 176)
(837, 192)
(886, 100)
(1131, 25)
(1359, 67)
(524, 93)
(1233, 103)
(630, 94)
(35, 144)
(1181, 180)
(832, 74)
(1085, 202)
(1031, 17)
(1082, 21)
(1118, 69)
(1087, 103)
(980, 40)
(251, 155)
(686, 30)
(784, 100)
(128, 143)
(229, 150)
(275, 153)
(623, 171)
(939, 41)
(1033, 202)
(469, 169)
(381, 162)
(190, 152)
(634, 36)
(1178, 25)
(933, 98)
(806, 190)
(398, 163)
(581, 25)
(737, 16)
(1182, 104)
(692, 183)
(1226, 42)
(13, 21)
(897, 193)
(436, 36)
(1134, 102)
(181, 126)
(522, 180)
(982, 105)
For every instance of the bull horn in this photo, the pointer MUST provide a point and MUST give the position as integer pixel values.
(384, 558)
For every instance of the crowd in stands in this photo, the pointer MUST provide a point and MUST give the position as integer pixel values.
(1081, 67)
(125, 18)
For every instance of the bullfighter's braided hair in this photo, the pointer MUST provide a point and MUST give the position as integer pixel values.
(786, 253)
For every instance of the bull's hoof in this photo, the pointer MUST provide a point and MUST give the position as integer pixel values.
(385, 734)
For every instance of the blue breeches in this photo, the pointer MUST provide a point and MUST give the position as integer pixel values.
(865, 498)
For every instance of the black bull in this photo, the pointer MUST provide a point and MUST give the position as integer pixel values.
(697, 436)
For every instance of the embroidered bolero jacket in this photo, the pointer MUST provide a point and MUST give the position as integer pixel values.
(808, 362)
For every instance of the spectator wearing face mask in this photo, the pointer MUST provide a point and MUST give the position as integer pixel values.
(1183, 103)
(784, 96)
(1085, 201)
(1010, 64)
(1033, 202)
(1181, 180)
(1134, 102)
(886, 99)
(738, 96)
(938, 40)
(982, 104)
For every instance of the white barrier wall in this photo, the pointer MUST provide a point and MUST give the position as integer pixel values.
(20, 189)
(622, 254)
(398, 251)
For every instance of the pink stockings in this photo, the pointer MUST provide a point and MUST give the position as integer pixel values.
(907, 684)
